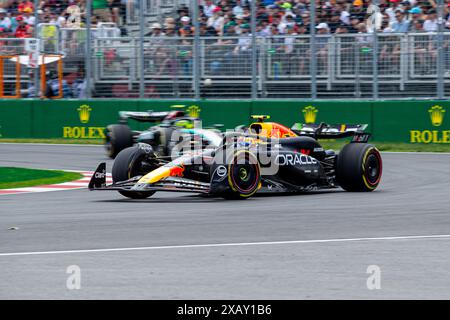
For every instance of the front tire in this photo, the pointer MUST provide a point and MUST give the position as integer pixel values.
(117, 138)
(359, 167)
(128, 164)
(244, 176)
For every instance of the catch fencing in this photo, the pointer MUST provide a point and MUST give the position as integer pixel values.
(403, 66)
(367, 66)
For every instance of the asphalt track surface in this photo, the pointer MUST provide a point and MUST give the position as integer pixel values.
(182, 246)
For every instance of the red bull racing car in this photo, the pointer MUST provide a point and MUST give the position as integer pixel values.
(267, 157)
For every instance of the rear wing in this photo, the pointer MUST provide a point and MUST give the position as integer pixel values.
(334, 131)
(146, 116)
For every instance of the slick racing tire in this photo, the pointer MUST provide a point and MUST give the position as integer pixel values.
(117, 138)
(359, 167)
(128, 164)
(244, 175)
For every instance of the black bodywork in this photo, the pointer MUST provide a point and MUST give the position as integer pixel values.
(302, 165)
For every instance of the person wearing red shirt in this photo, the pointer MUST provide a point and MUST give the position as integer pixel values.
(22, 30)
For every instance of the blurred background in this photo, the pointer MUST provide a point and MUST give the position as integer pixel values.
(224, 49)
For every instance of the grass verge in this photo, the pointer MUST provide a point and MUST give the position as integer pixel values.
(11, 177)
(328, 144)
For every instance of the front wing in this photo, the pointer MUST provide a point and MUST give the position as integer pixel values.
(98, 183)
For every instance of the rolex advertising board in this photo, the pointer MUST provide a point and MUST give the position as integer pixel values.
(75, 119)
(332, 112)
(422, 122)
(417, 122)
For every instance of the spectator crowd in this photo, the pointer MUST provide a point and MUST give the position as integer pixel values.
(230, 22)
(232, 17)
(17, 17)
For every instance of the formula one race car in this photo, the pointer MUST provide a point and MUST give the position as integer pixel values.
(120, 136)
(268, 157)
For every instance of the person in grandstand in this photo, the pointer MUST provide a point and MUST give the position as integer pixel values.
(114, 8)
(290, 56)
(239, 60)
(5, 21)
(30, 91)
(155, 41)
(23, 30)
(79, 85)
(57, 20)
(185, 21)
(322, 44)
(101, 9)
(216, 20)
(28, 16)
(401, 24)
(208, 8)
(52, 86)
(431, 24)
(237, 9)
(73, 13)
(185, 51)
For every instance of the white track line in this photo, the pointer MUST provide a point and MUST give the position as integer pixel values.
(439, 236)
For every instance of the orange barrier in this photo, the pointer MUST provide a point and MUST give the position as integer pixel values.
(2, 74)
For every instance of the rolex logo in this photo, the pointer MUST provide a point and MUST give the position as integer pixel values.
(437, 115)
(310, 113)
(84, 112)
(194, 111)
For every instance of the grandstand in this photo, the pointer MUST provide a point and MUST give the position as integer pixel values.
(399, 45)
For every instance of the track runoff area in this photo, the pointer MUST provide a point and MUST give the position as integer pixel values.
(77, 244)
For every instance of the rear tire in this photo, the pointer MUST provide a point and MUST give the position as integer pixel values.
(128, 165)
(244, 176)
(117, 138)
(359, 167)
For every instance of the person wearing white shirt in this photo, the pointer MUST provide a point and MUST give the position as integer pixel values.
(431, 24)
(245, 40)
(345, 15)
(375, 18)
(216, 21)
(5, 22)
(28, 18)
(391, 13)
(289, 40)
(208, 8)
(286, 21)
(237, 9)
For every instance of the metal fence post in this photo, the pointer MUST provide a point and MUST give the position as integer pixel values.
(254, 50)
(440, 61)
(312, 43)
(375, 51)
(36, 36)
(356, 51)
(87, 65)
(141, 50)
(196, 56)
